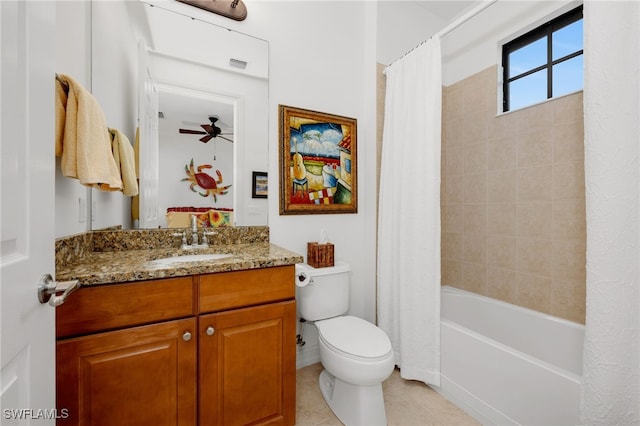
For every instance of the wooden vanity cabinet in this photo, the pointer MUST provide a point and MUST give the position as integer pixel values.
(247, 365)
(218, 351)
(127, 354)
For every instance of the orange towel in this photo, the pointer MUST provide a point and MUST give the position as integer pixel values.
(82, 137)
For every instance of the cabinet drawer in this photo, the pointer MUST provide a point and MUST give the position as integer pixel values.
(245, 288)
(108, 307)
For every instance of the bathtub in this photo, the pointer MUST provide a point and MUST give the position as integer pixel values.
(505, 364)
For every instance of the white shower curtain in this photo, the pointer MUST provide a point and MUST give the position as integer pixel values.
(409, 213)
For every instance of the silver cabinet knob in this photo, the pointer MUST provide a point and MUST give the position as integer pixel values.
(186, 336)
(210, 331)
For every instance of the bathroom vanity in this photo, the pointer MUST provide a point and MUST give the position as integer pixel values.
(185, 343)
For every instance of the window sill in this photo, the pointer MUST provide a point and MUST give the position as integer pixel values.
(499, 114)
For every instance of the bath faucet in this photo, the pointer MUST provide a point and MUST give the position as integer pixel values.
(194, 230)
(195, 240)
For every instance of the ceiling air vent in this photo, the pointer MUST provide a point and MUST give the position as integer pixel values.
(238, 63)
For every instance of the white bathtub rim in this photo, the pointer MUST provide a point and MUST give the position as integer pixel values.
(576, 378)
(563, 321)
(511, 351)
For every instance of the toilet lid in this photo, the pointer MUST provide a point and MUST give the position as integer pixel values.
(354, 336)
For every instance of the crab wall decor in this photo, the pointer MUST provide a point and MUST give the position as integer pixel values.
(205, 181)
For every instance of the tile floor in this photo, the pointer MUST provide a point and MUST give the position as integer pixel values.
(408, 403)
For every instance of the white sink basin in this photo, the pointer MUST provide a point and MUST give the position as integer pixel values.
(168, 261)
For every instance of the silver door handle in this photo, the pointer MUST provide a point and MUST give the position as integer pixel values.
(47, 289)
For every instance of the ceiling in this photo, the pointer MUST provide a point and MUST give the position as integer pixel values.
(185, 110)
(447, 10)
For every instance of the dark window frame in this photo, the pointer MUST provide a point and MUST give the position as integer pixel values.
(544, 30)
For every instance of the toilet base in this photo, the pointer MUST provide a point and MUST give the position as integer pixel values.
(353, 405)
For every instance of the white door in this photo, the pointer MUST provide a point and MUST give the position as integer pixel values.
(27, 328)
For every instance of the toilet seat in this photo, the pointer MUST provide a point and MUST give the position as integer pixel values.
(354, 338)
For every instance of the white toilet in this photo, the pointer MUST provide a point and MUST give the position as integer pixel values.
(356, 355)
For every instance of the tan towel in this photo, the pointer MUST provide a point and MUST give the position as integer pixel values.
(83, 141)
(61, 115)
(125, 160)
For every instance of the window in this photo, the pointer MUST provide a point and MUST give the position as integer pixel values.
(543, 63)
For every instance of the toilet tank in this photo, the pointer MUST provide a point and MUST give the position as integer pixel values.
(322, 292)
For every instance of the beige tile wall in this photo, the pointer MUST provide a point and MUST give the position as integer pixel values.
(513, 202)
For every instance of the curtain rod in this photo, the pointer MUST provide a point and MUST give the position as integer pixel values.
(452, 26)
(464, 18)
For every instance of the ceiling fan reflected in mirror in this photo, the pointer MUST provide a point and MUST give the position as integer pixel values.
(211, 131)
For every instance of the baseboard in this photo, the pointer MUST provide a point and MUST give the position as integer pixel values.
(306, 356)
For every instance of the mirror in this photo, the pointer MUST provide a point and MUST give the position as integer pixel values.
(196, 133)
(200, 72)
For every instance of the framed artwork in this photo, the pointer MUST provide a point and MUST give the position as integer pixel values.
(318, 162)
(260, 185)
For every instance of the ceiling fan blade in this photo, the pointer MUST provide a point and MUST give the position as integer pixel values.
(207, 128)
(192, 132)
(205, 139)
(226, 139)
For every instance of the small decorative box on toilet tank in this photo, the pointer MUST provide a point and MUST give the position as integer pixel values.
(320, 255)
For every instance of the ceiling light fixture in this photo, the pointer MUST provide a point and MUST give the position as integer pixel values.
(233, 9)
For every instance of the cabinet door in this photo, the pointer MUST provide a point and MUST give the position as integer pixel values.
(137, 376)
(247, 366)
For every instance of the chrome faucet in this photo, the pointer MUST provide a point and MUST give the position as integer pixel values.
(194, 231)
(195, 240)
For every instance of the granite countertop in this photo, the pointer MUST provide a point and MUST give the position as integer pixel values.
(135, 265)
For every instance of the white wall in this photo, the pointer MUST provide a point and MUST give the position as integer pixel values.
(611, 380)
(476, 44)
(326, 61)
(114, 58)
(82, 56)
(73, 48)
(344, 83)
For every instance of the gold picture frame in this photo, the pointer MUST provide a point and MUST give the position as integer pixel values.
(318, 162)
